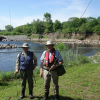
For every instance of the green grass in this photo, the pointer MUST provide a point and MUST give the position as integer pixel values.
(79, 83)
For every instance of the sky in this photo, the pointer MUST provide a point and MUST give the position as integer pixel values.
(21, 12)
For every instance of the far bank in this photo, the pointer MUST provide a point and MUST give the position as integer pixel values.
(73, 41)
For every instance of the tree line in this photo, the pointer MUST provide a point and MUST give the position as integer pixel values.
(76, 25)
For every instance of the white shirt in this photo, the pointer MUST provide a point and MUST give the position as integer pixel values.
(57, 55)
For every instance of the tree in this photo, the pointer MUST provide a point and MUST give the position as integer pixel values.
(47, 17)
(97, 29)
(68, 30)
(93, 21)
(65, 24)
(82, 28)
(75, 21)
(90, 18)
(38, 26)
(48, 24)
(83, 20)
(9, 28)
(98, 19)
(56, 25)
(19, 30)
(27, 30)
(86, 28)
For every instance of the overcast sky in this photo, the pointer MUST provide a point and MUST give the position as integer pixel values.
(20, 12)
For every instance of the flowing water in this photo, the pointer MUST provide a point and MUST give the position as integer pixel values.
(8, 56)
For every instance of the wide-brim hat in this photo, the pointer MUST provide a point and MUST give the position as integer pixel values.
(25, 45)
(49, 43)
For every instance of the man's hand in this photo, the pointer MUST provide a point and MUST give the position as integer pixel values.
(41, 69)
(53, 67)
(41, 74)
(15, 72)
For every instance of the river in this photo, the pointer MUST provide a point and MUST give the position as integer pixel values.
(8, 56)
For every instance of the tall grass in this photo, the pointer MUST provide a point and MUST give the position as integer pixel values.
(71, 56)
(6, 76)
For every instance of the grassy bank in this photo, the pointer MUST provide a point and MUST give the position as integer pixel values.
(79, 83)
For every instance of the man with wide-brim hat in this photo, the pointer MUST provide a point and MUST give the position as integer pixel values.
(49, 63)
(25, 64)
(25, 45)
(49, 43)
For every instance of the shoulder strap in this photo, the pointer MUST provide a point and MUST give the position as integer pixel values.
(32, 54)
(20, 54)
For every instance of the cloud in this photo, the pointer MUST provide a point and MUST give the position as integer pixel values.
(60, 10)
(74, 9)
(17, 22)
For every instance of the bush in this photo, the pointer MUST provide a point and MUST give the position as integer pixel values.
(60, 46)
(83, 59)
(70, 56)
(5, 76)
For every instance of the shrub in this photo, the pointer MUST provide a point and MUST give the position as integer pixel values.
(5, 76)
(83, 59)
(70, 56)
(60, 46)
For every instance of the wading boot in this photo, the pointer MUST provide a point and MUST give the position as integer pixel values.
(46, 97)
(56, 97)
(31, 94)
(22, 94)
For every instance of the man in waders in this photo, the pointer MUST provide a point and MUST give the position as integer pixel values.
(25, 64)
(49, 62)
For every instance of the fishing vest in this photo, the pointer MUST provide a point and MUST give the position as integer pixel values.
(26, 63)
(49, 62)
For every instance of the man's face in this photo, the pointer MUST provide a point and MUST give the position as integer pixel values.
(25, 49)
(49, 48)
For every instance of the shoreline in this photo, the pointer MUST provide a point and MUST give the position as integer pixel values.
(67, 41)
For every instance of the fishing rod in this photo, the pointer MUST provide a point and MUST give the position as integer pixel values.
(86, 8)
(48, 75)
(17, 88)
(82, 14)
(14, 58)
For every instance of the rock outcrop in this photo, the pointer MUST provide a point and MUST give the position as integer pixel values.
(15, 38)
(7, 46)
(1, 38)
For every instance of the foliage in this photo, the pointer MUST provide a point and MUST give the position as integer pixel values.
(38, 26)
(68, 30)
(4, 76)
(98, 20)
(97, 29)
(60, 46)
(83, 59)
(86, 28)
(9, 28)
(35, 36)
(83, 20)
(96, 57)
(73, 25)
(56, 25)
(48, 24)
(70, 56)
(75, 21)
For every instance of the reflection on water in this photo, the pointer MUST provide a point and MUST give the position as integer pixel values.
(8, 56)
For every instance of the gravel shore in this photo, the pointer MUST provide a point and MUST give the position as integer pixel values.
(67, 41)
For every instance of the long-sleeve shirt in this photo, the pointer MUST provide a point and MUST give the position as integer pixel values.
(18, 60)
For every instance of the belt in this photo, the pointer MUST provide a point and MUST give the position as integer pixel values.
(47, 68)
